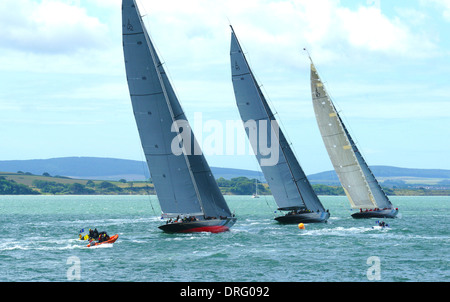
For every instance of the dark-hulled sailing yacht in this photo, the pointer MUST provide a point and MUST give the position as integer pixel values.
(188, 194)
(360, 185)
(287, 181)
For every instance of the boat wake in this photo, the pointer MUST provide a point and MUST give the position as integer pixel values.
(100, 246)
(339, 231)
(41, 245)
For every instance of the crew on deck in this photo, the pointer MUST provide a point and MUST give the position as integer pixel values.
(373, 210)
(182, 219)
(103, 237)
(303, 211)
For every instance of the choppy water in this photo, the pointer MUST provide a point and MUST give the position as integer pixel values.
(38, 242)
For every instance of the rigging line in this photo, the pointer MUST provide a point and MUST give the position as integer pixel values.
(259, 178)
(150, 200)
(270, 207)
(147, 182)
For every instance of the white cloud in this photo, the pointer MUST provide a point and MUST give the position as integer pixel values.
(49, 26)
(62, 37)
(365, 29)
(369, 28)
(441, 4)
(198, 30)
(280, 30)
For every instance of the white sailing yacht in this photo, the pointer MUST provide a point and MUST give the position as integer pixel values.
(360, 185)
(255, 195)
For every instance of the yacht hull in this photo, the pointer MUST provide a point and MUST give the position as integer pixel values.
(303, 218)
(390, 213)
(210, 226)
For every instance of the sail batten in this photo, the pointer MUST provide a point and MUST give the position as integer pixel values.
(184, 183)
(359, 183)
(287, 181)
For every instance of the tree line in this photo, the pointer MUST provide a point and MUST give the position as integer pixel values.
(10, 187)
(242, 186)
(234, 186)
(90, 188)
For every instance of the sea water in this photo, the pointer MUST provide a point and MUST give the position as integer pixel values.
(39, 242)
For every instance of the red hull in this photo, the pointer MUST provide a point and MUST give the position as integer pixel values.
(210, 229)
(210, 226)
(112, 239)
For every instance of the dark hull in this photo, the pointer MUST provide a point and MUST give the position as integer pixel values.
(391, 213)
(303, 218)
(210, 226)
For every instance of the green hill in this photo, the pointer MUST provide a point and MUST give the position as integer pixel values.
(129, 176)
(10, 187)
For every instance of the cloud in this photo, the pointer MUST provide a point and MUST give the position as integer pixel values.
(61, 37)
(49, 26)
(279, 29)
(444, 5)
(368, 28)
(198, 30)
(337, 29)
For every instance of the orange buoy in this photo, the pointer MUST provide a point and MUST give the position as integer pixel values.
(301, 226)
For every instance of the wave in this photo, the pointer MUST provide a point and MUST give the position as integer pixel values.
(338, 231)
(27, 247)
(101, 246)
(42, 244)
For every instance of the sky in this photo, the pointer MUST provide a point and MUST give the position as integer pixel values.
(386, 64)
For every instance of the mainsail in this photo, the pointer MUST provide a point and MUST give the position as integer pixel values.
(184, 183)
(288, 183)
(359, 183)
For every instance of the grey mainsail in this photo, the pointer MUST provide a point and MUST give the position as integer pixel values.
(288, 183)
(184, 183)
(359, 183)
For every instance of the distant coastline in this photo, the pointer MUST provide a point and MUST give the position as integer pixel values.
(112, 176)
(29, 184)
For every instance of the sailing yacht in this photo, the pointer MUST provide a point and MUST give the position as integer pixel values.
(360, 185)
(288, 183)
(188, 194)
(255, 195)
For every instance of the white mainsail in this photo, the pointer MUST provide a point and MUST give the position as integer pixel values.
(359, 183)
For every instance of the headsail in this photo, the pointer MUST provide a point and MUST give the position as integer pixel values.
(184, 183)
(288, 183)
(360, 185)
